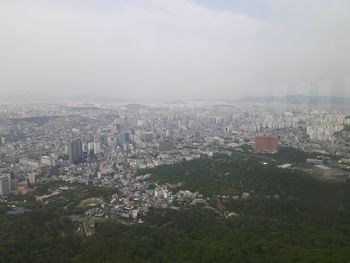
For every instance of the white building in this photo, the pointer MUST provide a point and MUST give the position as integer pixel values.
(32, 178)
(97, 147)
(47, 161)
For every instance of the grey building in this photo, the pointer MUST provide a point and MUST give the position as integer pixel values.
(5, 185)
(166, 145)
(75, 151)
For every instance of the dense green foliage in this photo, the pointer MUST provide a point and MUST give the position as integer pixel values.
(42, 235)
(199, 235)
(291, 155)
(289, 217)
(190, 235)
(274, 192)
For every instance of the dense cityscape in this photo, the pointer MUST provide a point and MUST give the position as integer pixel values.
(108, 145)
(175, 131)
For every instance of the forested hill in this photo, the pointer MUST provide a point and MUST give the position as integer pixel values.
(288, 217)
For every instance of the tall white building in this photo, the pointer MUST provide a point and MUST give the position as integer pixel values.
(91, 148)
(32, 178)
(97, 147)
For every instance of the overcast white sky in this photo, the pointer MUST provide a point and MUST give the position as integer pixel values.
(175, 49)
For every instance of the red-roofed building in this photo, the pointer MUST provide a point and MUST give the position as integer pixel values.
(266, 144)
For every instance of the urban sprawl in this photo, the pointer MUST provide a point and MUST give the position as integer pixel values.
(111, 145)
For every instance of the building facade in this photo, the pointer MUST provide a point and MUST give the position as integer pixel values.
(5, 185)
(265, 144)
(75, 151)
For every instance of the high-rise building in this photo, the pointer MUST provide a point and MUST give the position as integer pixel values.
(5, 185)
(265, 144)
(111, 141)
(127, 137)
(97, 148)
(166, 145)
(91, 149)
(32, 178)
(124, 138)
(75, 151)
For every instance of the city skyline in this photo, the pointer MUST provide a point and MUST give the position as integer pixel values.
(174, 131)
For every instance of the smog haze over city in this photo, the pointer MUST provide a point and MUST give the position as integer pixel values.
(174, 131)
(173, 49)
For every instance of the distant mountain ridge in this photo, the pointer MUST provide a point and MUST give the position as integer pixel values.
(32, 97)
(299, 99)
(93, 98)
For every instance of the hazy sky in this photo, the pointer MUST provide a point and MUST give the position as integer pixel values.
(175, 49)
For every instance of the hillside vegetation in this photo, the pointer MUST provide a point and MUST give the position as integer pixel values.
(288, 217)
